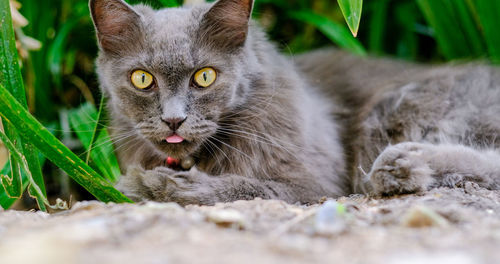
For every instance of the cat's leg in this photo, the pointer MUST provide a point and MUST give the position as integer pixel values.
(195, 187)
(413, 167)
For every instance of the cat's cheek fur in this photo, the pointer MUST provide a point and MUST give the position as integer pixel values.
(134, 106)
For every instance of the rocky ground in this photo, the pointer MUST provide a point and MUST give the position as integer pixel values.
(458, 226)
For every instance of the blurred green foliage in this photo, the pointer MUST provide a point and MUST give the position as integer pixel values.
(60, 77)
(61, 73)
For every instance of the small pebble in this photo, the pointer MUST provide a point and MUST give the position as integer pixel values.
(420, 216)
(330, 218)
(87, 206)
(227, 218)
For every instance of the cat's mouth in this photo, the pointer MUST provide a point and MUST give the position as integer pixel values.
(174, 139)
(177, 146)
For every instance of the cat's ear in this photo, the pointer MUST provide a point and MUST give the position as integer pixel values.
(226, 23)
(117, 24)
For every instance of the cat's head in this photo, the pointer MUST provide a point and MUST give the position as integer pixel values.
(171, 74)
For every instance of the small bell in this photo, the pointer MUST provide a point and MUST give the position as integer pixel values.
(187, 163)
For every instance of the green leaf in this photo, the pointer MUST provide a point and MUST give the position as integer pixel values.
(11, 78)
(169, 3)
(98, 126)
(85, 121)
(335, 32)
(351, 9)
(408, 43)
(30, 129)
(488, 12)
(6, 200)
(378, 24)
(34, 189)
(57, 51)
(456, 30)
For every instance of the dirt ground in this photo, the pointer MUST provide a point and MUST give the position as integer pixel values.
(458, 226)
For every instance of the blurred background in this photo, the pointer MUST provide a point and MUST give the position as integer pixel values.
(57, 44)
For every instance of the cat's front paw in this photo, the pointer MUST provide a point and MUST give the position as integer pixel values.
(183, 187)
(402, 168)
(163, 184)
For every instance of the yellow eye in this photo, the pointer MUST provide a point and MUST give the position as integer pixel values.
(205, 77)
(141, 79)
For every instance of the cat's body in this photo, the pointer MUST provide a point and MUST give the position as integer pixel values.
(450, 113)
(269, 129)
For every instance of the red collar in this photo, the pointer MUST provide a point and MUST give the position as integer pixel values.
(180, 164)
(173, 163)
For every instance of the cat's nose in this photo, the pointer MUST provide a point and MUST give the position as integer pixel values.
(174, 123)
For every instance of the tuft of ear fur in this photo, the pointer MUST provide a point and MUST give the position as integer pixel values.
(117, 24)
(225, 25)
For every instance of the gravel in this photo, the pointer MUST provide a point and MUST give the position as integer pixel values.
(458, 226)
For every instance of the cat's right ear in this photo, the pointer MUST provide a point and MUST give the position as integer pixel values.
(117, 24)
(225, 25)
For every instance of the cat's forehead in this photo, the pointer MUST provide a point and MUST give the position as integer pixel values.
(171, 33)
(173, 22)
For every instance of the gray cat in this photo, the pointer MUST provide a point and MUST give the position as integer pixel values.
(203, 86)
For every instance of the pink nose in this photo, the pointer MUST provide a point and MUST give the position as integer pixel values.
(174, 123)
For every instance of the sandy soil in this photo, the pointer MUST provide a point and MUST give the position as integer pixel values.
(458, 226)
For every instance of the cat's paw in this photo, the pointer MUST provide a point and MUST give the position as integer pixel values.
(190, 187)
(402, 168)
(182, 187)
(134, 185)
(163, 184)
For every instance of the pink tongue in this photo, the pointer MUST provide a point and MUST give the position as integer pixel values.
(174, 139)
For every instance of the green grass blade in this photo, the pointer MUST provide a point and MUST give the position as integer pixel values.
(6, 201)
(351, 9)
(488, 12)
(378, 23)
(57, 52)
(12, 186)
(86, 122)
(407, 44)
(44, 20)
(97, 128)
(10, 77)
(469, 27)
(30, 129)
(10, 74)
(335, 32)
(35, 190)
(456, 31)
(450, 41)
(169, 3)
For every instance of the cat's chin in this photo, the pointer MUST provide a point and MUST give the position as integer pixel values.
(178, 150)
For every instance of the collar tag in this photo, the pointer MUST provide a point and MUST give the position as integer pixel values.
(185, 164)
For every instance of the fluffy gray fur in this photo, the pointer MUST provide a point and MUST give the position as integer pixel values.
(275, 129)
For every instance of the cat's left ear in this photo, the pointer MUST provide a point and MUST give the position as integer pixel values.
(225, 25)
